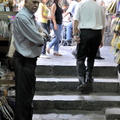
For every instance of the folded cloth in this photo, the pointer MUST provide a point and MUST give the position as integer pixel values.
(11, 48)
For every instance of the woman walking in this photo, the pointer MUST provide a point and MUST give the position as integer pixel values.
(56, 13)
(43, 17)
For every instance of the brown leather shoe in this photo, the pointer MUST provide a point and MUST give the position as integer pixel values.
(57, 54)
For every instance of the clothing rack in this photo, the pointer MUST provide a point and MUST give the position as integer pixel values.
(4, 15)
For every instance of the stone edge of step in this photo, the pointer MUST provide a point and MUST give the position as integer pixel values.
(112, 113)
(73, 79)
(90, 97)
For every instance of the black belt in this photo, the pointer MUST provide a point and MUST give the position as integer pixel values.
(90, 29)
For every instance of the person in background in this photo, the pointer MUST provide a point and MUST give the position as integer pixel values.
(43, 13)
(74, 52)
(28, 41)
(88, 32)
(70, 10)
(98, 54)
(56, 12)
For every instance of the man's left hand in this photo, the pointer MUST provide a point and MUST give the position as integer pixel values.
(76, 38)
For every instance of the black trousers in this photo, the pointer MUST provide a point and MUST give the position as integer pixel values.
(25, 79)
(87, 48)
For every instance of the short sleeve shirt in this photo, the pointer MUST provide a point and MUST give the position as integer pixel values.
(90, 15)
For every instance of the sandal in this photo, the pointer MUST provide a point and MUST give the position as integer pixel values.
(57, 54)
(48, 50)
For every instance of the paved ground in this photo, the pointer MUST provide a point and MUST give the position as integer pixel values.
(68, 59)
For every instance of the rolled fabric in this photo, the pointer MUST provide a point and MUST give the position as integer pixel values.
(112, 8)
(118, 43)
(117, 57)
(113, 40)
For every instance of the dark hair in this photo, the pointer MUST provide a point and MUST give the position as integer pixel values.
(55, 1)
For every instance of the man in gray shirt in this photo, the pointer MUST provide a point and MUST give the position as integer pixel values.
(28, 42)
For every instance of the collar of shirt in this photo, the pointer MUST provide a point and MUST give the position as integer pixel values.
(29, 15)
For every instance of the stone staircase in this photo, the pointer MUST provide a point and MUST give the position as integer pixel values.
(56, 96)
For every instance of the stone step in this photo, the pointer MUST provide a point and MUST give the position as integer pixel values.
(71, 115)
(62, 84)
(66, 70)
(45, 103)
(112, 113)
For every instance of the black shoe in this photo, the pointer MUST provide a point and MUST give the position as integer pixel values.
(81, 86)
(84, 89)
(99, 58)
(81, 83)
(90, 79)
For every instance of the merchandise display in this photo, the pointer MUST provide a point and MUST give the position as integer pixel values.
(114, 9)
(11, 5)
(7, 88)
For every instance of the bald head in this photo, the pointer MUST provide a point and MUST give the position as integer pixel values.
(32, 5)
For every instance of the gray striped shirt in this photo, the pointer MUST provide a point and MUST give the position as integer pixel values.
(26, 31)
